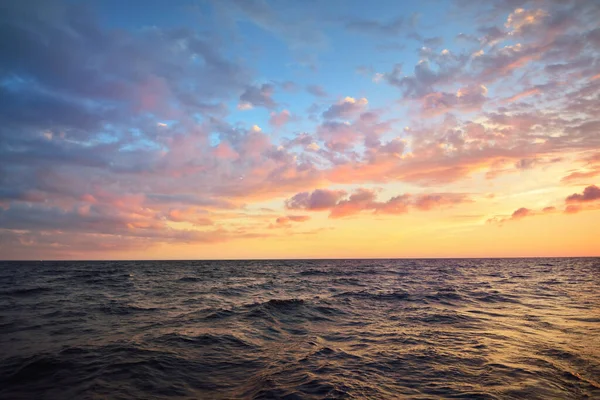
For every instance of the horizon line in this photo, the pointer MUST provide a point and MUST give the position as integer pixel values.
(297, 259)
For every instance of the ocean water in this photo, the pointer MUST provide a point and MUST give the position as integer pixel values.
(314, 329)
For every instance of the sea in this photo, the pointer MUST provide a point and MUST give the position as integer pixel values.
(301, 329)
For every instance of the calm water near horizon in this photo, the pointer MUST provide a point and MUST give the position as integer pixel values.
(295, 329)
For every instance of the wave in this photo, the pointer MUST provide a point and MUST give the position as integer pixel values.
(124, 309)
(310, 272)
(283, 303)
(226, 341)
(445, 297)
(20, 370)
(445, 318)
(26, 291)
(365, 294)
(190, 279)
(220, 314)
(493, 297)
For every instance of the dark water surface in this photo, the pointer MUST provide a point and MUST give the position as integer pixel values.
(379, 329)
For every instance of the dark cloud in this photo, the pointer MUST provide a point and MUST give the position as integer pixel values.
(433, 42)
(346, 108)
(469, 98)
(258, 96)
(590, 193)
(320, 199)
(427, 75)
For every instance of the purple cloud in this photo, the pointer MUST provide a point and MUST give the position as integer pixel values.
(590, 193)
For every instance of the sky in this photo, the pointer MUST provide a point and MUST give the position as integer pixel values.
(299, 129)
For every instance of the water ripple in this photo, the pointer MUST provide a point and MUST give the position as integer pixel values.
(314, 329)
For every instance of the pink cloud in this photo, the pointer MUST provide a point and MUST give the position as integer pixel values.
(188, 215)
(521, 213)
(88, 198)
(286, 221)
(590, 193)
(575, 203)
(516, 215)
(280, 119)
(366, 200)
(224, 151)
(361, 199)
(523, 94)
(338, 136)
(396, 205)
(578, 175)
(429, 201)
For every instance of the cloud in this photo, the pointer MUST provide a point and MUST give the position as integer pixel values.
(572, 209)
(320, 199)
(298, 29)
(346, 108)
(338, 136)
(590, 193)
(374, 27)
(378, 77)
(521, 20)
(526, 163)
(193, 216)
(430, 201)
(289, 86)
(280, 119)
(361, 199)
(579, 175)
(574, 204)
(523, 94)
(288, 220)
(521, 213)
(429, 72)
(466, 99)
(518, 214)
(340, 205)
(258, 96)
(316, 90)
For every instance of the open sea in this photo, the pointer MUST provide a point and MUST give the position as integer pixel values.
(301, 329)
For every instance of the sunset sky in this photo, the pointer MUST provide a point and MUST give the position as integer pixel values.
(299, 129)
